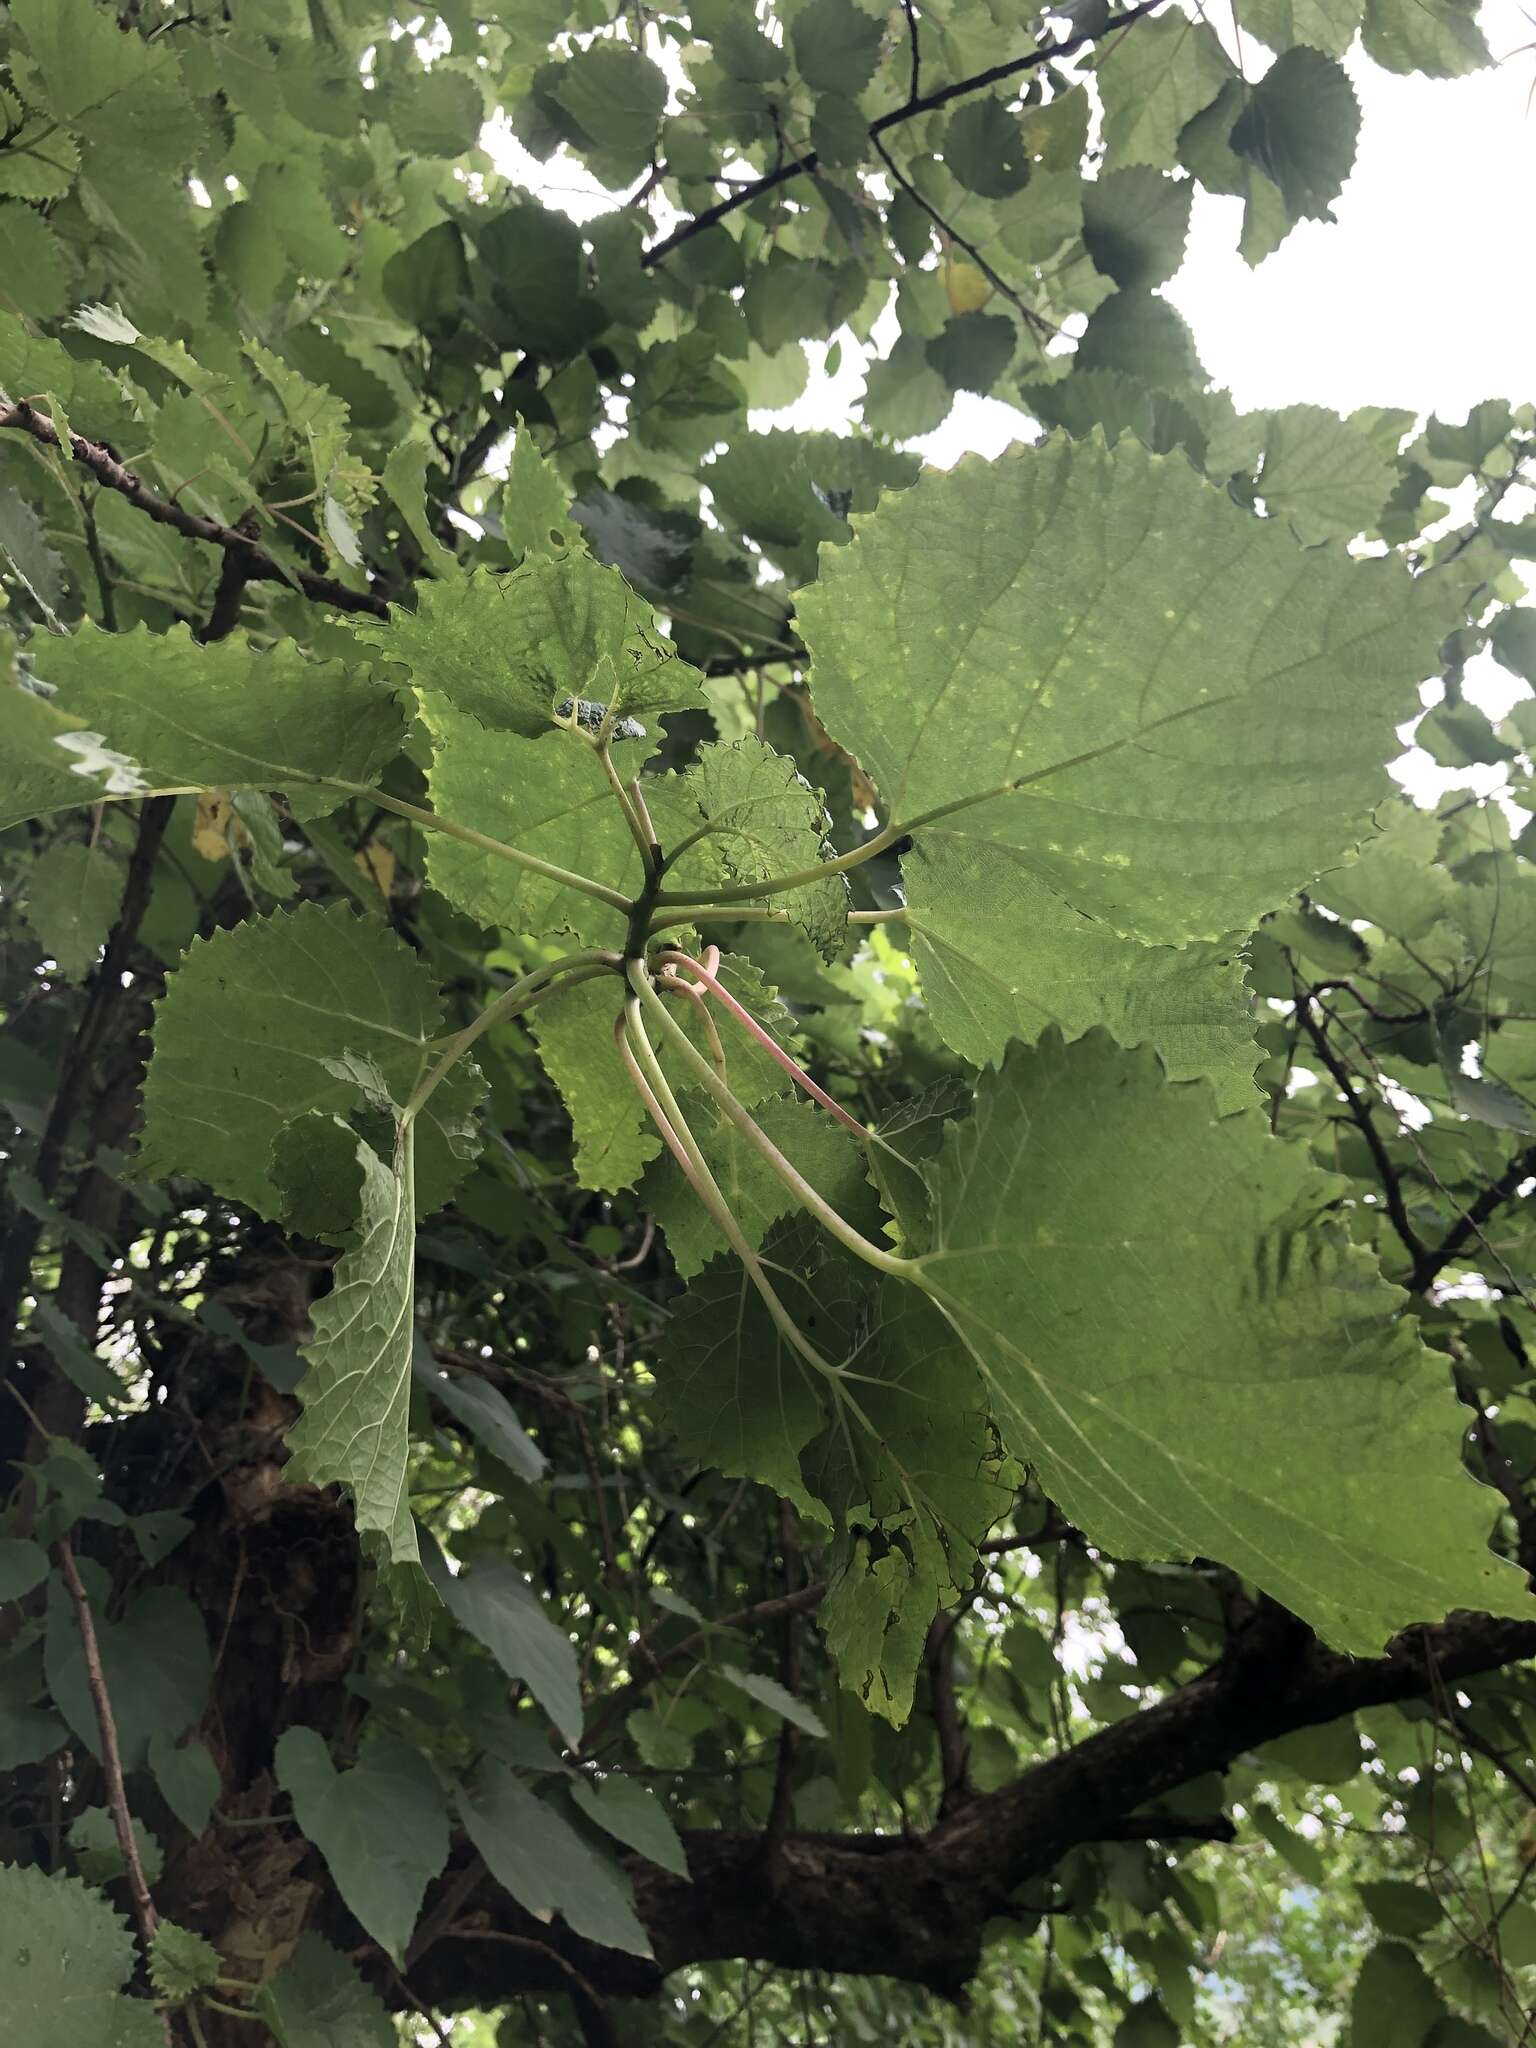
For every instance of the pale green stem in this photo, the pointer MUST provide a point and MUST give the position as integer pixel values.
(762, 913)
(432, 821)
(642, 810)
(766, 1040)
(707, 1024)
(637, 831)
(542, 981)
(802, 878)
(793, 1179)
(654, 1092)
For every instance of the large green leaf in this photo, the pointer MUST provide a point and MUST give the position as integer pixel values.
(1003, 957)
(1189, 711)
(355, 1428)
(246, 1033)
(1193, 1365)
(64, 1960)
(129, 713)
(381, 1827)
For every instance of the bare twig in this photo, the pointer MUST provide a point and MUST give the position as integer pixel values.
(909, 109)
(111, 1756)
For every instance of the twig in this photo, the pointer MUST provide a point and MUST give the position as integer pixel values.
(111, 1756)
(907, 111)
(260, 566)
(1360, 1116)
(1036, 322)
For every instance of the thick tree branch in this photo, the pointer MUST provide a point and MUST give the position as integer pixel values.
(909, 109)
(915, 1907)
(259, 566)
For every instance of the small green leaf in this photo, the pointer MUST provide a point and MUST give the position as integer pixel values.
(973, 350)
(182, 1963)
(535, 507)
(776, 1698)
(23, 1565)
(1299, 128)
(317, 2000)
(1153, 82)
(381, 1827)
(615, 96)
(633, 1815)
(984, 148)
(155, 1660)
(500, 1609)
(187, 1776)
(836, 44)
(97, 1853)
(73, 894)
(486, 1413)
(545, 1864)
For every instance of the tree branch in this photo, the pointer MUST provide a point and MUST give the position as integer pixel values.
(909, 109)
(914, 1907)
(1364, 1122)
(1470, 1222)
(260, 567)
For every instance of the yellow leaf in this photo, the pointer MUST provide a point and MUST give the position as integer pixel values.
(210, 831)
(377, 862)
(968, 289)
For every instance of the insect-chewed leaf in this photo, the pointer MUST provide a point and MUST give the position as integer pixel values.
(506, 649)
(355, 1428)
(760, 818)
(1192, 1369)
(129, 713)
(248, 1034)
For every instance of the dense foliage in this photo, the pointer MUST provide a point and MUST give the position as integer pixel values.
(767, 1259)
